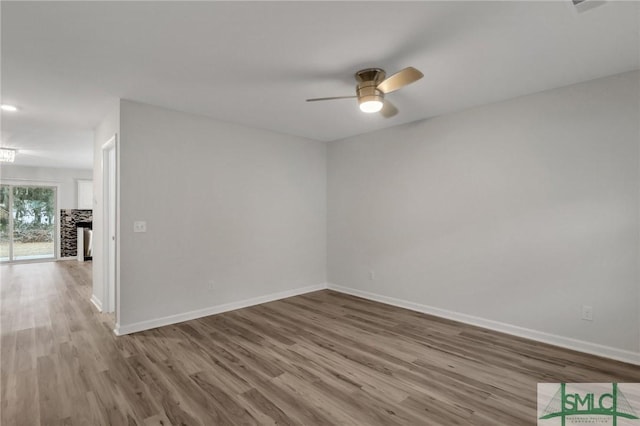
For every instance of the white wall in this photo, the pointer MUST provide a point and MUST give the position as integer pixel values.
(518, 212)
(65, 179)
(232, 213)
(109, 127)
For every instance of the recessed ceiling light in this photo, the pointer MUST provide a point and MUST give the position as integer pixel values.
(7, 155)
(9, 108)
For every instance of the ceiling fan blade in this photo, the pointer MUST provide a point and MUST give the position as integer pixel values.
(400, 79)
(331, 98)
(388, 109)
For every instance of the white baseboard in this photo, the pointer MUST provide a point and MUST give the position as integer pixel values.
(213, 310)
(552, 339)
(96, 302)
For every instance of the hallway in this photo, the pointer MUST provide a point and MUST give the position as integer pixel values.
(51, 334)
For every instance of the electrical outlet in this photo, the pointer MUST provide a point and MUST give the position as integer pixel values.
(587, 313)
(372, 275)
(139, 226)
(211, 285)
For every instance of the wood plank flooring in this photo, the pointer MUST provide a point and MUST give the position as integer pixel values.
(320, 359)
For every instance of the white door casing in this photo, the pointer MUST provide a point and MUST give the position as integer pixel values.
(109, 223)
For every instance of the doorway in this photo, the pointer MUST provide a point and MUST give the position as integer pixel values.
(28, 222)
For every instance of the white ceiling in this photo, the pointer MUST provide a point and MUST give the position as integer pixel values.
(63, 63)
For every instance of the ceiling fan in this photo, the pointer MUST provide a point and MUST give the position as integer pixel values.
(373, 85)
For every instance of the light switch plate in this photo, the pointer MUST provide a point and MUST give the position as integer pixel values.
(140, 226)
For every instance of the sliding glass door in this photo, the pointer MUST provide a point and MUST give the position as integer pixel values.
(27, 222)
(5, 219)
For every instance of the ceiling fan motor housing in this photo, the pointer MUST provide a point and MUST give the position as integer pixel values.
(368, 81)
(367, 92)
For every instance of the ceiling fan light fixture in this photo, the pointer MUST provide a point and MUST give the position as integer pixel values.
(370, 98)
(370, 105)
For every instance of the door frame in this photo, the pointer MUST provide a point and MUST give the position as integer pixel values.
(56, 234)
(110, 228)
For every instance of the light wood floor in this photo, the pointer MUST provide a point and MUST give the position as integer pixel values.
(319, 359)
